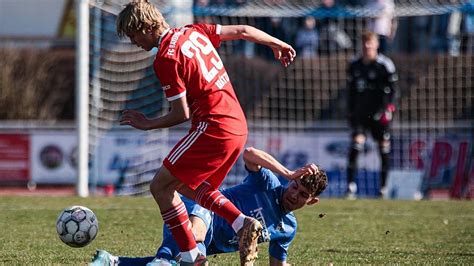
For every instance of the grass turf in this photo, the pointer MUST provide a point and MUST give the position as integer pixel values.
(333, 231)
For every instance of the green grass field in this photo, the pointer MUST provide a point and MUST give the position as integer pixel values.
(350, 232)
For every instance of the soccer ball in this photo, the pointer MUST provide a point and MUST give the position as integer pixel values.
(77, 226)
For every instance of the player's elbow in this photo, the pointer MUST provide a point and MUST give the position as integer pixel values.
(183, 115)
(249, 152)
(241, 31)
(186, 115)
(246, 31)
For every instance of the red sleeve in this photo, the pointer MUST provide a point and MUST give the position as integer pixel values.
(212, 31)
(172, 84)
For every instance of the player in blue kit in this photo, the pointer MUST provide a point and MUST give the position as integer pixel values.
(261, 195)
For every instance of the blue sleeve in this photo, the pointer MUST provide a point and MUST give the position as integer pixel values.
(279, 248)
(263, 179)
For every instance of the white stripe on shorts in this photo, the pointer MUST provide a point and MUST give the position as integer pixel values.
(190, 139)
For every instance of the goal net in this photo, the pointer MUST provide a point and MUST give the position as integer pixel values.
(299, 114)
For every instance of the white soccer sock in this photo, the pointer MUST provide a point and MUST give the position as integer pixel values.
(191, 255)
(238, 222)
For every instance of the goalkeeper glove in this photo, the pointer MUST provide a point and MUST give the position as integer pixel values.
(387, 115)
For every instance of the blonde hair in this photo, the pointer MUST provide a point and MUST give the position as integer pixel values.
(369, 35)
(138, 15)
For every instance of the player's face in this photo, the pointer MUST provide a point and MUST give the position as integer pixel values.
(146, 41)
(296, 196)
(370, 48)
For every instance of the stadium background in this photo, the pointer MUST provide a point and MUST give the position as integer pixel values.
(297, 114)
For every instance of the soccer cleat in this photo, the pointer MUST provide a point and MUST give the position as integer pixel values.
(103, 258)
(201, 260)
(248, 238)
(351, 191)
(160, 262)
(383, 193)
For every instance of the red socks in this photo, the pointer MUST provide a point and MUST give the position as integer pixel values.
(177, 220)
(213, 200)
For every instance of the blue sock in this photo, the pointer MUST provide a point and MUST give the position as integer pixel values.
(134, 261)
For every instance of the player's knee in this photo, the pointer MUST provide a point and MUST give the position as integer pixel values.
(357, 146)
(161, 184)
(385, 147)
(199, 228)
(154, 187)
(359, 138)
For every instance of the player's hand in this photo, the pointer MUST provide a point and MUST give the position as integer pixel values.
(387, 115)
(135, 119)
(308, 169)
(285, 54)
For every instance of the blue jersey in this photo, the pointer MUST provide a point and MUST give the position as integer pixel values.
(258, 196)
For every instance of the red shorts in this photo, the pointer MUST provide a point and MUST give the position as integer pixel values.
(200, 157)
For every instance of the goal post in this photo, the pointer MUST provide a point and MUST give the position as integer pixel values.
(82, 96)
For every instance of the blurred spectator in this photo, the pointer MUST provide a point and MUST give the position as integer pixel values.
(445, 30)
(354, 2)
(421, 35)
(333, 38)
(454, 32)
(307, 39)
(281, 28)
(384, 24)
(202, 19)
(219, 2)
(468, 29)
(239, 2)
(201, 3)
(274, 2)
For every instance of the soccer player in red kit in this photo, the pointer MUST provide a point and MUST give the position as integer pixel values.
(197, 86)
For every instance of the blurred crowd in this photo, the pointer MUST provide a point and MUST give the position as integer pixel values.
(329, 29)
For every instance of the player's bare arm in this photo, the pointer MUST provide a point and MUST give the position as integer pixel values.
(255, 158)
(179, 113)
(281, 50)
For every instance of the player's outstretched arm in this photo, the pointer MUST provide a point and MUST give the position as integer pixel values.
(179, 113)
(281, 50)
(255, 158)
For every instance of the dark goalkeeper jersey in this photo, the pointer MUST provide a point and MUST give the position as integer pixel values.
(371, 86)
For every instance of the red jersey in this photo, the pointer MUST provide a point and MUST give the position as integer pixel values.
(188, 65)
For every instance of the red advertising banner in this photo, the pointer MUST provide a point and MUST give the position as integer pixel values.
(14, 158)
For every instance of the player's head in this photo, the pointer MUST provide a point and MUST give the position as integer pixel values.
(370, 45)
(305, 190)
(142, 22)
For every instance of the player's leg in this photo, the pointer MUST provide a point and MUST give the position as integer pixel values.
(381, 134)
(192, 161)
(247, 228)
(222, 153)
(201, 220)
(358, 139)
(202, 166)
(163, 188)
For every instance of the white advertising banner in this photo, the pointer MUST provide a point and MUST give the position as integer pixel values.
(333, 152)
(134, 155)
(54, 157)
